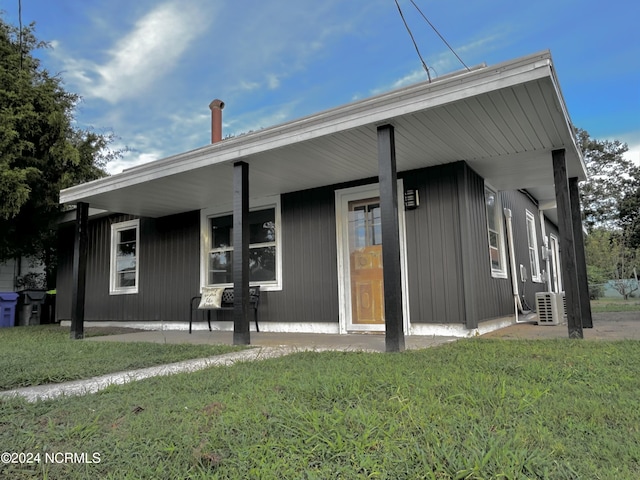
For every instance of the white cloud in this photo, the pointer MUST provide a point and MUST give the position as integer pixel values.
(632, 139)
(443, 63)
(417, 75)
(132, 159)
(273, 82)
(143, 55)
(633, 154)
(276, 40)
(259, 119)
(246, 85)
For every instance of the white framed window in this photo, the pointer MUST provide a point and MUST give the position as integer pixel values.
(532, 242)
(125, 239)
(495, 230)
(265, 257)
(556, 276)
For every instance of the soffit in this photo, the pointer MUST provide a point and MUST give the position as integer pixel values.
(503, 121)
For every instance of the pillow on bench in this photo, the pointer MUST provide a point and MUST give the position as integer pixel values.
(211, 297)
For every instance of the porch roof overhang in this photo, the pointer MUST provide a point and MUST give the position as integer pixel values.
(503, 120)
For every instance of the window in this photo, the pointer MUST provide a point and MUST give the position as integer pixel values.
(532, 242)
(556, 277)
(264, 248)
(497, 255)
(125, 237)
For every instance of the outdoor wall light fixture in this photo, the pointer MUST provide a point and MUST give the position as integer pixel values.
(411, 199)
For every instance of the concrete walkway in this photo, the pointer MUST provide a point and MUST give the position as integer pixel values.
(95, 384)
(616, 326)
(265, 345)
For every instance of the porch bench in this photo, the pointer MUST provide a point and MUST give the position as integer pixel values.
(226, 303)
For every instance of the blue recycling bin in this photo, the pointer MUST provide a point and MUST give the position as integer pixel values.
(8, 301)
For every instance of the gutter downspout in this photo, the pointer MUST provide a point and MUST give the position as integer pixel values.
(514, 274)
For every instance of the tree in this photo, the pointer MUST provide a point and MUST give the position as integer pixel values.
(610, 201)
(612, 178)
(41, 151)
(609, 258)
(630, 212)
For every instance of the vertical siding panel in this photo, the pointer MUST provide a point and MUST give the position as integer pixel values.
(63, 274)
(309, 263)
(169, 270)
(518, 202)
(170, 252)
(433, 247)
(493, 295)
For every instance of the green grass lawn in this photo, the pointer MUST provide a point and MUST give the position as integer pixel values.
(615, 305)
(42, 354)
(472, 409)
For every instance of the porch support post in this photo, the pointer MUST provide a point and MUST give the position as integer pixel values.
(468, 297)
(79, 271)
(392, 279)
(567, 244)
(581, 261)
(241, 334)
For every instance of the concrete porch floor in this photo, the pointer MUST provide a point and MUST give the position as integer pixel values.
(607, 326)
(306, 341)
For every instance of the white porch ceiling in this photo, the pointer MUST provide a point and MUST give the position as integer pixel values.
(504, 121)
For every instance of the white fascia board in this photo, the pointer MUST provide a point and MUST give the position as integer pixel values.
(371, 111)
(70, 215)
(568, 124)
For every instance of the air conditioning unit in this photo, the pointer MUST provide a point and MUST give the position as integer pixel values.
(550, 308)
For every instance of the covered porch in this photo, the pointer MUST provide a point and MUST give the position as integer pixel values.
(508, 122)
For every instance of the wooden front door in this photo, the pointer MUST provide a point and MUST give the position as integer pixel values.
(365, 263)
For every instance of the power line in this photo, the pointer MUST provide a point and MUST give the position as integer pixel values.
(424, 65)
(436, 30)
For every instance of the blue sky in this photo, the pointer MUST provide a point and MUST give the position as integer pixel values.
(147, 69)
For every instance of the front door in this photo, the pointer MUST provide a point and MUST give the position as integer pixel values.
(359, 243)
(365, 263)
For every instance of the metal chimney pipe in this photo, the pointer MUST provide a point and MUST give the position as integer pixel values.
(216, 120)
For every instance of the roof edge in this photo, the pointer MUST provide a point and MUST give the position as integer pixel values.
(372, 110)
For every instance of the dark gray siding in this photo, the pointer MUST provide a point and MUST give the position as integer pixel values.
(309, 260)
(169, 270)
(448, 261)
(518, 202)
(550, 227)
(433, 247)
(491, 297)
(170, 266)
(447, 247)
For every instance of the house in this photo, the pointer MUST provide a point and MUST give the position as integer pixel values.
(416, 179)
(21, 273)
